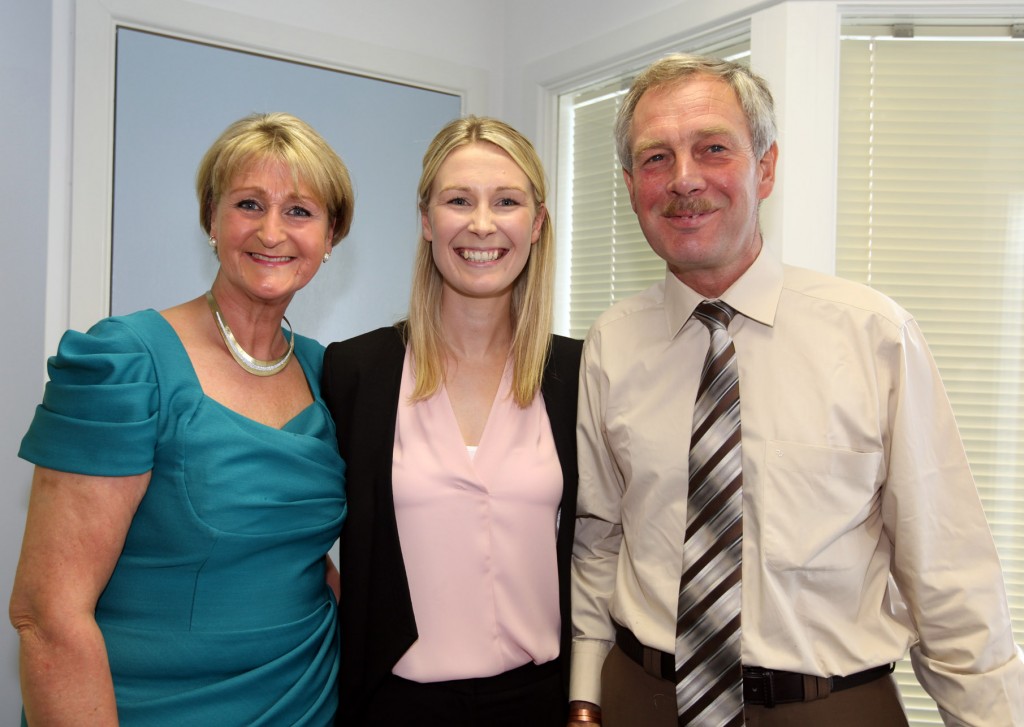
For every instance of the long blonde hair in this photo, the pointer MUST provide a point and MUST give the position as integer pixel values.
(533, 290)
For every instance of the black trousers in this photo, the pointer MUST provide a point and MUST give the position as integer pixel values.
(630, 697)
(529, 695)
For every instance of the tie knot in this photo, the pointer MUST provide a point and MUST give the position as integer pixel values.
(714, 314)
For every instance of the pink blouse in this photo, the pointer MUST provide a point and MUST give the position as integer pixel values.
(477, 535)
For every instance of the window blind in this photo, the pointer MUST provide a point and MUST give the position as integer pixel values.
(610, 258)
(931, 212)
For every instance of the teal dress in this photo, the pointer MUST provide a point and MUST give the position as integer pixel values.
(217, 612)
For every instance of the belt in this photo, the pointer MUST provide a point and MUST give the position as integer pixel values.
(764, 687)
(769, 687)
(656, 663)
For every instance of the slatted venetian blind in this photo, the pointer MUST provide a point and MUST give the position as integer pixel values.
(610, 259)
(931, 212)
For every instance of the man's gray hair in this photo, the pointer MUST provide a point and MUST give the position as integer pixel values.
(751, 90)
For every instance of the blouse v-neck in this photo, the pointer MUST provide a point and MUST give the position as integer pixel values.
(477, 534)
(444, 404)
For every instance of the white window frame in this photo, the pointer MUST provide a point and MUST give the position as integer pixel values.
(795, 47)
(79, 243)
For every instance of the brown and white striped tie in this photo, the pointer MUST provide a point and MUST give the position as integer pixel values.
(709, 677)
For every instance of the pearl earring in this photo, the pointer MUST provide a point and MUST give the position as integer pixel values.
(327, 256)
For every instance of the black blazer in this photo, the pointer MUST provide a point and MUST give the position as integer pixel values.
(361, 381)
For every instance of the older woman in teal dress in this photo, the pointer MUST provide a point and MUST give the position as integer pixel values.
(188, 484)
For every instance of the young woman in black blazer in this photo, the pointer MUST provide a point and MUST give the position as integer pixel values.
(454, 560)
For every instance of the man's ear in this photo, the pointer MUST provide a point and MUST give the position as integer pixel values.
(766, 168)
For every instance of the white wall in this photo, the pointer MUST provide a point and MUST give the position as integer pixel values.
(25, 41)
(525, 53)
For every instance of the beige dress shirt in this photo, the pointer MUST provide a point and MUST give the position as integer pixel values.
(863, 531)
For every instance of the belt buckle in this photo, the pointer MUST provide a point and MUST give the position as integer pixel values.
(764, 676)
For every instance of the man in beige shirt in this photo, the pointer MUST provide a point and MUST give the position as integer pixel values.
(863, 534)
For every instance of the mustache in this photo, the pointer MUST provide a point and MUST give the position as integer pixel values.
(679, 207)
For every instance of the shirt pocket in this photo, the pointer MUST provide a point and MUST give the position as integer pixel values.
(820, 506)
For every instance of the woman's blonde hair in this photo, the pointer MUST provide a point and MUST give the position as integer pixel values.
(533, 289)
(277, 137)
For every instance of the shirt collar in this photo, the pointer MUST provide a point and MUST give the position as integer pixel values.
(755, 294)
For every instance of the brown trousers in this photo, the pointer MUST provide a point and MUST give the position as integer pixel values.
(630, 697)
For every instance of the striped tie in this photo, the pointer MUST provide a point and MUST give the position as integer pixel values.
(709, 677)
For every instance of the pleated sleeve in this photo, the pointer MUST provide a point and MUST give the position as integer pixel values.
(99, 410)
